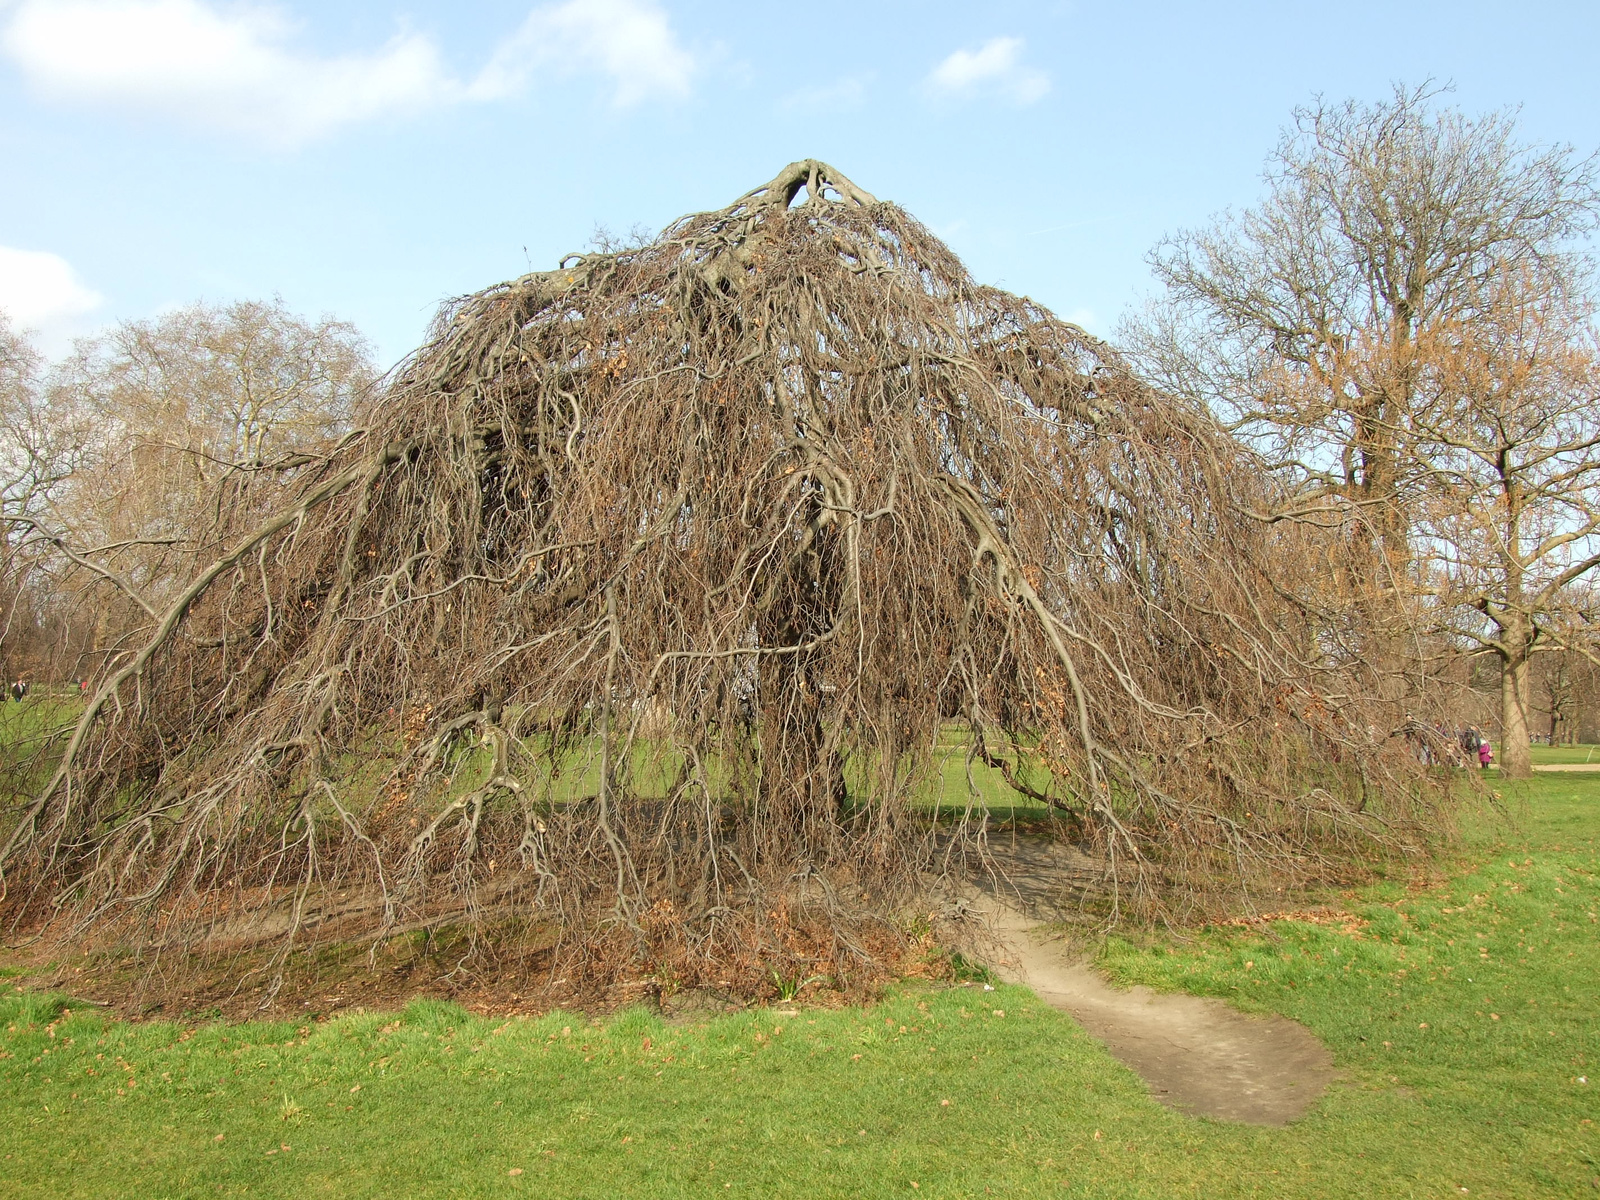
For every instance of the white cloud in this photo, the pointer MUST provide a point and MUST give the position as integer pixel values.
(41, 291)
(234, 71)
(993, 67)
(631, 41)
(237, 69)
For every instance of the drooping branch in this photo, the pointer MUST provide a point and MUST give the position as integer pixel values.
(652, 592)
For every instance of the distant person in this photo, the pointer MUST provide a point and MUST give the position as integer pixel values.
(18, 691)
(83, 687)
(1485, 755)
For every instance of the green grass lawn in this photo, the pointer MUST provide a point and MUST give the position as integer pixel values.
(1462, 1017)
(1566, 754)
(26, 725)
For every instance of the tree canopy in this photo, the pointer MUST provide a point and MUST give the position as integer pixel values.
(639, 601)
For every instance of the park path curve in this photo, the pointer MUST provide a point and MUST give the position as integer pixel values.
(1199, 1056)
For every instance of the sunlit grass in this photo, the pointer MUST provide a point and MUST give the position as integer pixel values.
(1462, 1060)
(1586, 753)
(1476, 996)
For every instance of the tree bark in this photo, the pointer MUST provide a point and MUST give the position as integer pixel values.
(1516, 758)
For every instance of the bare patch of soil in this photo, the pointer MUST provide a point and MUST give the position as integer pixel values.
(1199, 1056)
(244, 974)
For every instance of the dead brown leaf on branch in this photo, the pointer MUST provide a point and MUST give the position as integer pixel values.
(629, 621)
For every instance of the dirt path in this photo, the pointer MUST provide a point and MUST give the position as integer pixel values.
(1200, 1056)
(1566, 767)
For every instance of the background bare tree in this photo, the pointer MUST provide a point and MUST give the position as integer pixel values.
(1566, 686)
(1506, 427)
(1299, 320)
(181, 417)
(19, 386)
(39, 451)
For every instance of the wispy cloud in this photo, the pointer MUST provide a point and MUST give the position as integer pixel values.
(233, 70)
(40, 291)
(239, 69)
(994, 68)
(631, 41)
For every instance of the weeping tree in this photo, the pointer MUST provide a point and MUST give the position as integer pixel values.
(637, 604)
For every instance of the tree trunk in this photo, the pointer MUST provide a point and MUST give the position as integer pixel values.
(1516, 759)
(1388, 550)
(802, 773)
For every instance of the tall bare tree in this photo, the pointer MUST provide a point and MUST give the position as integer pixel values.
(1301, 320)
(202, 397)
(19, 370)
(1566, 692)
(39, 450)
(1506, 430)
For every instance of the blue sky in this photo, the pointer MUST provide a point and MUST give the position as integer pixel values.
(369, 158)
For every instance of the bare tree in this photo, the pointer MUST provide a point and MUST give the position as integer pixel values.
(180, 415)
(1298, 320)
(19, 370)
(1566, 684)
(1506, 427)
(39, 450)
(634, 607)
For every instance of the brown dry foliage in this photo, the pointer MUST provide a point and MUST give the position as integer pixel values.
(636, 605)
